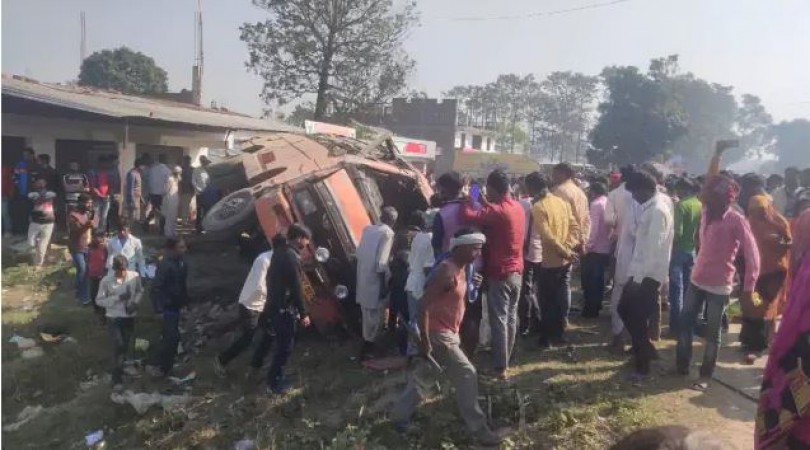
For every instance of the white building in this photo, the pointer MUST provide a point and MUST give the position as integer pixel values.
(469, 138)
(72, 123)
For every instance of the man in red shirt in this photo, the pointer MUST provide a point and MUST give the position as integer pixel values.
(503, 221)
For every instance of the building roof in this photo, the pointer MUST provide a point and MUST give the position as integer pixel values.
(117, 105)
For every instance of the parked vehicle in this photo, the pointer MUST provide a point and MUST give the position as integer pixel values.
(334, 185)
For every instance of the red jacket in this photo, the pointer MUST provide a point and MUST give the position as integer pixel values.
(97, 261)
(8, 182)
(504, 224)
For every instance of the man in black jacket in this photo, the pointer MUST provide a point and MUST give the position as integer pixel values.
(169, 295)
(285, 303)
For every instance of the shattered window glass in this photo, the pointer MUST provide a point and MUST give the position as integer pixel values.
(305, 202)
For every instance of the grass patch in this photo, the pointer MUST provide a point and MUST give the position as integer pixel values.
(560, 399)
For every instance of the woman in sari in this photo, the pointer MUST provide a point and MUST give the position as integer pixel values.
(801, 231)
(783, 416)
(772, 233)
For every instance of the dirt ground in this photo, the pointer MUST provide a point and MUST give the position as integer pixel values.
(573, 398)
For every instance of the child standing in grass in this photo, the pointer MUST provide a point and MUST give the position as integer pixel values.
(119, 294)
(97, 267)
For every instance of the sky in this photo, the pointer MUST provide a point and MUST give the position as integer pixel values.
(757, 46)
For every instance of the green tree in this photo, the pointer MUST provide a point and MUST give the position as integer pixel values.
(301, 112)
(792, 140)
(638, 119)
(710, 111)
(348, 53)
(560, 110)
(512, 93)
(123, 70)
(753, 125)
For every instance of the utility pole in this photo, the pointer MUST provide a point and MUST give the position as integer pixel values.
(197, 72)
(83, 41)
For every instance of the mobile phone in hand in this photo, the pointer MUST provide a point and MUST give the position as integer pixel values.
(475, 192)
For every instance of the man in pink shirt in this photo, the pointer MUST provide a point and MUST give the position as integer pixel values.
(597, 254)
(724, 232)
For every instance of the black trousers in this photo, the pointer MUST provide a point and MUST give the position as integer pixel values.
(250, 322)
(283, 323)
(554, 301)
(470, 332)
(169, 339)
(94, 285)
(121, 331)
(754, 331)
(592, 275)
(528, 304)
(202, 208)
(636, 308)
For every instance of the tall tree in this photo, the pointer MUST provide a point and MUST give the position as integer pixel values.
(561, 107)
(511, 95)
(638, 120)
(792, 140)
(710, 111)
(123, 70)
(348, 53)
(753, 125)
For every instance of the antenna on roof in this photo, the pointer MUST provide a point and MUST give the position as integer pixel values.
(197, 70)
(83, 42)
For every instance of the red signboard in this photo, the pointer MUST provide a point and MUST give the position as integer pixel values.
(416, 148)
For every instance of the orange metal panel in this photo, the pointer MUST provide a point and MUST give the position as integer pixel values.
(349, 202)
(274, 213)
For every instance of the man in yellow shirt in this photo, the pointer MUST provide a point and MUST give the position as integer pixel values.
(564, 187)
(559, 232)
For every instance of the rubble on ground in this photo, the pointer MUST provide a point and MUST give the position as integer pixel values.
(204, 322)
(142, 401)
(27, 414)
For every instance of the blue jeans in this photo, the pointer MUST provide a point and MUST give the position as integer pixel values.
(592, 274)
(82, 281)
(412, 325)
(102, 210)
(680, 272)
(693, 305)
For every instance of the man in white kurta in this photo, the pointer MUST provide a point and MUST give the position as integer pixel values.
(623, 215)
(373, 255)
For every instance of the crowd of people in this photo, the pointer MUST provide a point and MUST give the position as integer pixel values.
(647, 242)
(685, 245)
(36, 197)
(644, 241)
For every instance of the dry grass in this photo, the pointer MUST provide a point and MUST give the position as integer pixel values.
(560, 399)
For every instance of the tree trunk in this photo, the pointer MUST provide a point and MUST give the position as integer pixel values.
(323, 85)
(320, 103)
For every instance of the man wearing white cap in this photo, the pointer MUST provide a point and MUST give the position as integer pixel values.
(441, 312)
